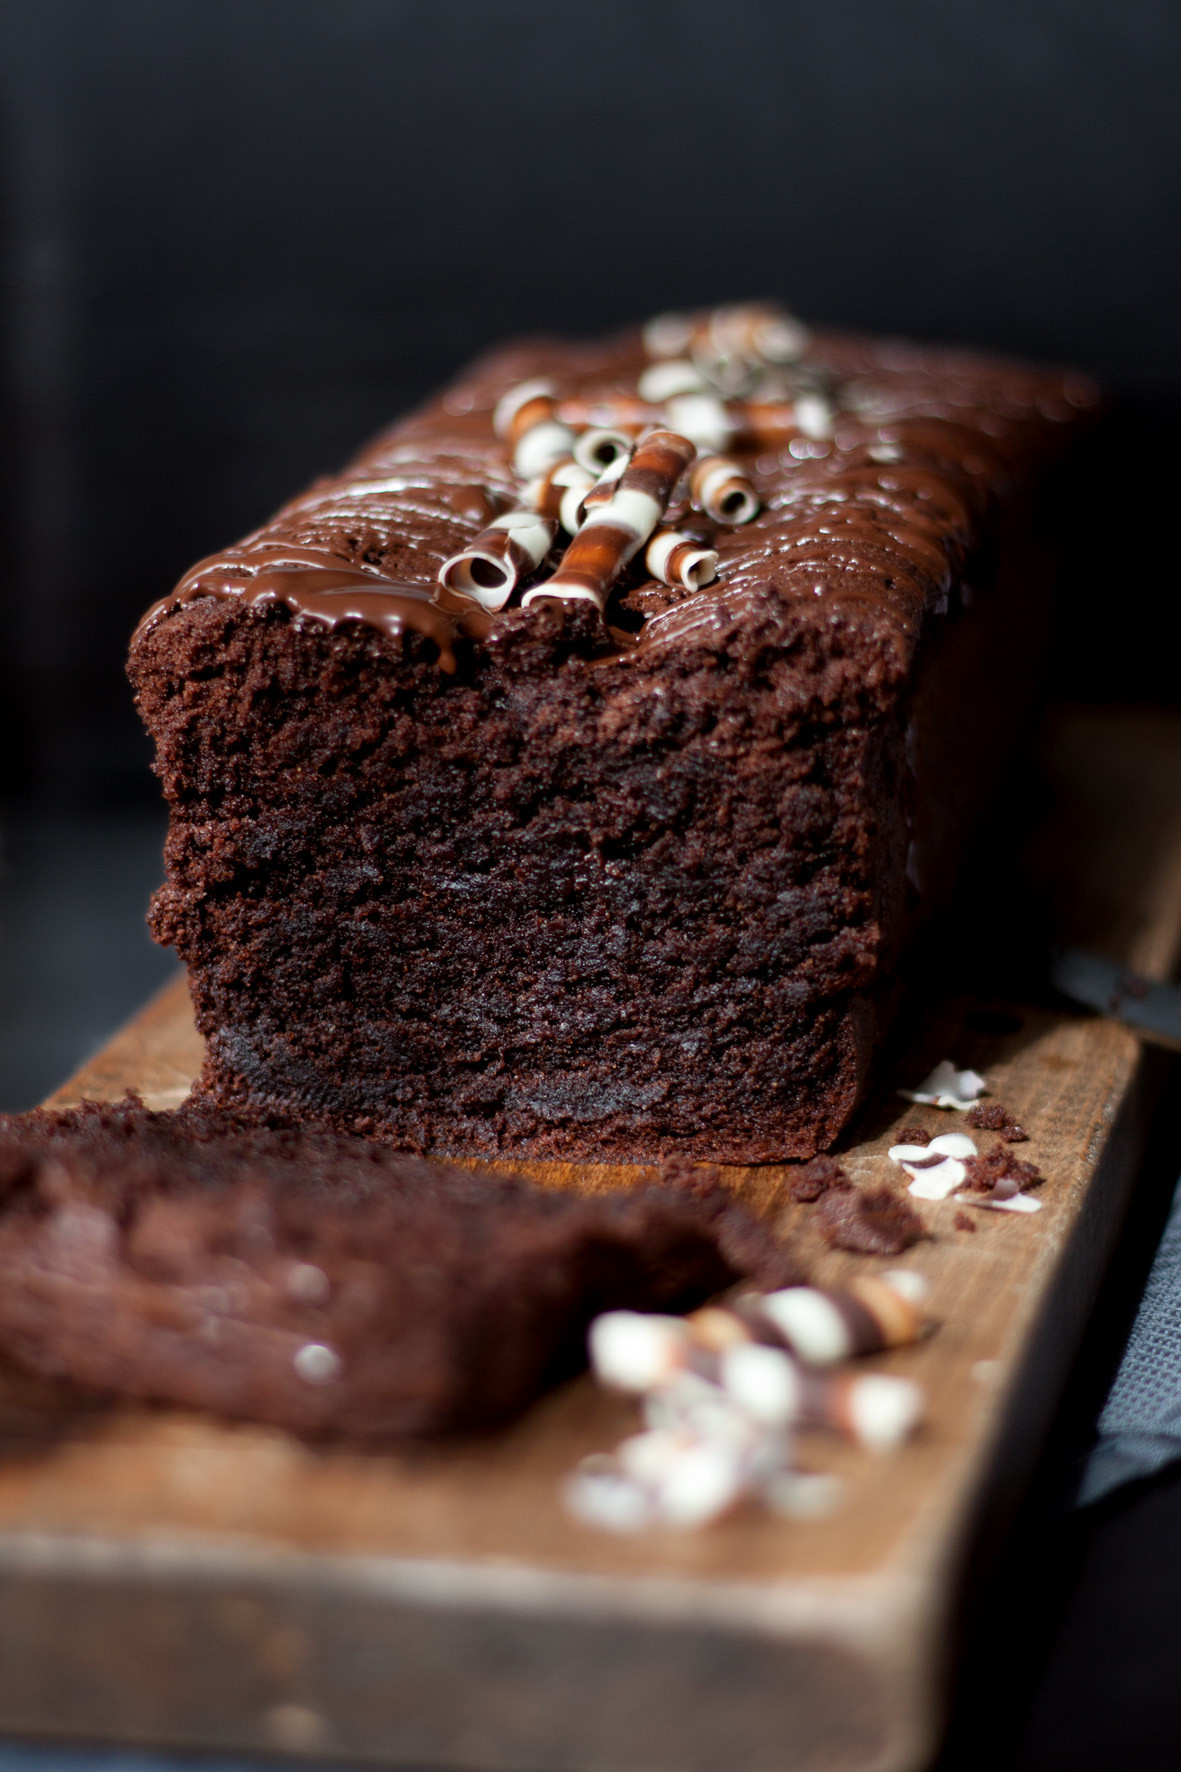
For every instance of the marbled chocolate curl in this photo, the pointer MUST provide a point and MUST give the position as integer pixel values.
(721, 489)
(543, 444)
(526, 417)
(768, 424)
(637, 1351)
(759, 331)
(702, 418)
(668, 335)
(603, 490)
(600, 447)
(511, 415)
(822, 1327)
(508, 550)
(613, 532)
(559, 492)
(661, 381)
(621, 411)
(872, 1409)
(678, 559)
(876, 1410)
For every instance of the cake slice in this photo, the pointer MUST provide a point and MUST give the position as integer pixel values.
(622, 868)
(321, 1282)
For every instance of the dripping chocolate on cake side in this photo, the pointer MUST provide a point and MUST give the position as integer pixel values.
(558, 883)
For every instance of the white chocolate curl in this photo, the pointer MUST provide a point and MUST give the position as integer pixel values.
(661, 381)
(723, 491)
(506, 414)
(526, 417)
(615, 530)
(508, 550)
(677, 559)
(602, 446)
(761, 332)
(700, 417)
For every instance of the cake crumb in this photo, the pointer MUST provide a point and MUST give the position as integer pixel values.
(695, 1179)
(963, 1223)
(876, 1222)
(811, 1180)
(914, 1135)
(990, 1116)
(999, 1172)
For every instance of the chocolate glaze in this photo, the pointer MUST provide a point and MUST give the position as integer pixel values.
(880, 519)
(321, 587)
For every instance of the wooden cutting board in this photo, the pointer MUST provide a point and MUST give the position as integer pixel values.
(167, 1579)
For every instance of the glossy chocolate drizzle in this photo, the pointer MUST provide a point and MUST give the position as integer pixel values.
(879, 518)
(323, 588)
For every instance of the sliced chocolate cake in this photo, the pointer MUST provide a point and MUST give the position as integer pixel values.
(322, 1282)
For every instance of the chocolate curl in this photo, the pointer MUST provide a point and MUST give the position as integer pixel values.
(661, 381)
(678, 559)
(645, 1355)
(603, 490)
(760, 332)
(637, 1351)
(526, 417)
(622, 411)
(559, 492)
(509, 549)
(614, 531)
(601, 447)
(871, 1409)
(721, 489)
(769, 424)
(702, 418)
(822, 1327)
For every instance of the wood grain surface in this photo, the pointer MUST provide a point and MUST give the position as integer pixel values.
(167, 1578)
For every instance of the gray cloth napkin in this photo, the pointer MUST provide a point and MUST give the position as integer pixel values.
(1140, 1427)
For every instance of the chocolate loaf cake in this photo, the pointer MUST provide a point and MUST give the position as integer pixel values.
(567, 776)
(321, 1282)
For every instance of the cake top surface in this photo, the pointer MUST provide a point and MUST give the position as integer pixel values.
(871, 470)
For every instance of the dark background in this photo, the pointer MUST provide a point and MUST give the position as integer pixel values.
(238, 235)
